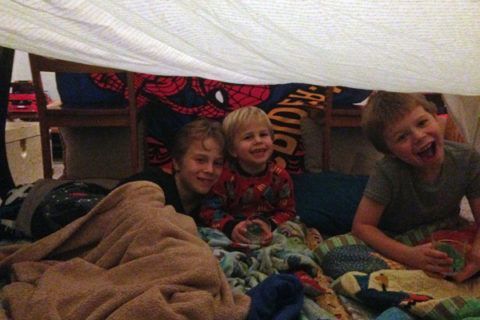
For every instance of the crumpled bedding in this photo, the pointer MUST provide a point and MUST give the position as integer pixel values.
(131, 257)
(254, 270)
(422, 295)
(383, 284)
(289, 252)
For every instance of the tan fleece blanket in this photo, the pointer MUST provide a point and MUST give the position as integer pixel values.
(131, 257)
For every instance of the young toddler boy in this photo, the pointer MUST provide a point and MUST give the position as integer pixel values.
(252, 190)
(421, 179)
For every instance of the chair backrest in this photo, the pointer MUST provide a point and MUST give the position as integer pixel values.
(39, 64)
(82, 116)
(330, 117)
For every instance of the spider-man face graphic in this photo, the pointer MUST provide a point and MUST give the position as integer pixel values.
(201, 97)
(187, 98)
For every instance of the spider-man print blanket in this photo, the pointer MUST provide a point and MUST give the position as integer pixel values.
(170, 102)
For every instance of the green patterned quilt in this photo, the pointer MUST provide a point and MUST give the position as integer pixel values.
(380, 283)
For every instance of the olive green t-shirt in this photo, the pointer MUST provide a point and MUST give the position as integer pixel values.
(411, 202)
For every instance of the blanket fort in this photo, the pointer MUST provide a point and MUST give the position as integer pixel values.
(407, 46)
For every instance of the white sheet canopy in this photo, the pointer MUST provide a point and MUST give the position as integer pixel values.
(410, 46)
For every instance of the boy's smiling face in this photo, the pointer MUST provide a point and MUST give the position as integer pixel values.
(417, 140)
(200, 167)
(253, 147)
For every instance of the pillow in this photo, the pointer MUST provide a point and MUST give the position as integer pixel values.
(327, 201)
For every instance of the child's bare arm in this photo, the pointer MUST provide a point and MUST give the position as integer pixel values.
(365, 227)
(473, 261)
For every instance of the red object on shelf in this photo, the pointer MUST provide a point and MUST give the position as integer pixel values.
(22, 97)
(22, 102)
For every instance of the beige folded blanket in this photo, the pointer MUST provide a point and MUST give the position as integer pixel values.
(131, 257)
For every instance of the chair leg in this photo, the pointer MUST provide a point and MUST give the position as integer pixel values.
(327, 130)
(326, 147)
(46, 152)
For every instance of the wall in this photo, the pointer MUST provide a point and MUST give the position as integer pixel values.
(21, 71)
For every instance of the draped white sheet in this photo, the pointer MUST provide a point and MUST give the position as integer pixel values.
(427, 46)
(430, 46)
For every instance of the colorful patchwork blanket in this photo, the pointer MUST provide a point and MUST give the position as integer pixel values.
(289, 252)
(414, 291)
(383, 284)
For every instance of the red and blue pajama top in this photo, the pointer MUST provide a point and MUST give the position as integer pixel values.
(237, 196)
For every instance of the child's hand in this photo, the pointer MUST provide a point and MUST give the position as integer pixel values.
(427, 258)
(240, 232)
(471, 267)
(266, 231)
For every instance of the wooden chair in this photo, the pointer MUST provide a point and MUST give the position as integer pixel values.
(51, 117)
(338, 117)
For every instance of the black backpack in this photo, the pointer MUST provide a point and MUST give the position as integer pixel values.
(65, 204)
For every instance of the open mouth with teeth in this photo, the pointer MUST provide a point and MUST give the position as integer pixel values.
(428, 152)
(205, 184)
(205, 180)
(259, 151)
